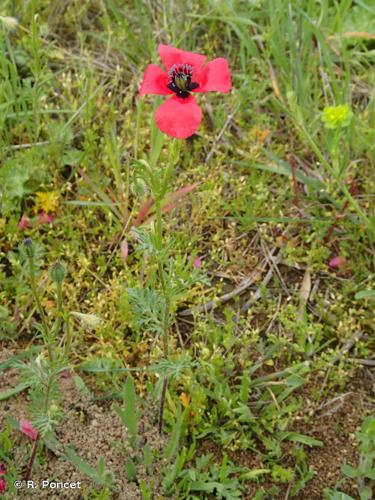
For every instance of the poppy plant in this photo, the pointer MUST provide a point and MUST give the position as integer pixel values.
(180, 116)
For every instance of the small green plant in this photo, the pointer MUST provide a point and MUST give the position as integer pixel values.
(364, 473)
(41, 375)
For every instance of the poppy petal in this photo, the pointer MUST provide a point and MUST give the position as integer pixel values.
(171, 55)
(215, 77)
(178, 117)
(155, 81)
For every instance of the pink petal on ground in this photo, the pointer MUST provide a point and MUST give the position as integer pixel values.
(155, 81)
(178, 117)
(27, 428)
(44, 218)
(197, 262)
(215, 77)
(24, 223)
(2, 485)
(171, 55)
(336, 262)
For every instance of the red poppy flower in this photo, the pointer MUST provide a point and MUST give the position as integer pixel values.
(180, 115)
(2, 485)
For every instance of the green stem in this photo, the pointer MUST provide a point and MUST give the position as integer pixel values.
(159, 246)
(40, 309)
(60, 311)
(68, 339)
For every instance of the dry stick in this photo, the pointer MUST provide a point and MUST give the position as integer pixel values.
(257, 295)
(220, 134)
(213, 304)
(365, 362)
(273, 263)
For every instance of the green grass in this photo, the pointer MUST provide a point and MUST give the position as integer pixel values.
(71, 122)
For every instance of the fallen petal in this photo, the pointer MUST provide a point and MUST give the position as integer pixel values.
(44, 218)
(24, 223)
(27, 428)
(197, 262)
(336, 262)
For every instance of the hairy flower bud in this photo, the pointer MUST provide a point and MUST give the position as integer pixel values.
(29, 247)
(57, 272)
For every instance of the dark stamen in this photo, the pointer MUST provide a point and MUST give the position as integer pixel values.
(181, 80)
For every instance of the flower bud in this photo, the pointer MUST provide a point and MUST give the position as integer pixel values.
(57, 272)
(29, 247)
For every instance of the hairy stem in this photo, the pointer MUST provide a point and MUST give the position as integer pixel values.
(159, 245)
(32, 459)
(40, 309)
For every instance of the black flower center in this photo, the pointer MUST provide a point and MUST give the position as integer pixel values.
(181, 80)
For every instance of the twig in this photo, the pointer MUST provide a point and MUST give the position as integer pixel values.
(257, 295)
(30, 145)
(213, 304)
(366, 362)
(220, 134)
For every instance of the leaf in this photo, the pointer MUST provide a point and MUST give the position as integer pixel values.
(81, 386)
(253, 474)
(128, 413)
(143, 212)
(169, 203)
(131, 471)
(209, 486)
(15, 390)
(83, 466)
(365, 493)
(349, 471)
(365, 294)
(172, 446)
(295, 437)
(4, 365)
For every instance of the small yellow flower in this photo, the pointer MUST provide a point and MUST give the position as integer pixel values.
(337, 116)
(47, 202)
